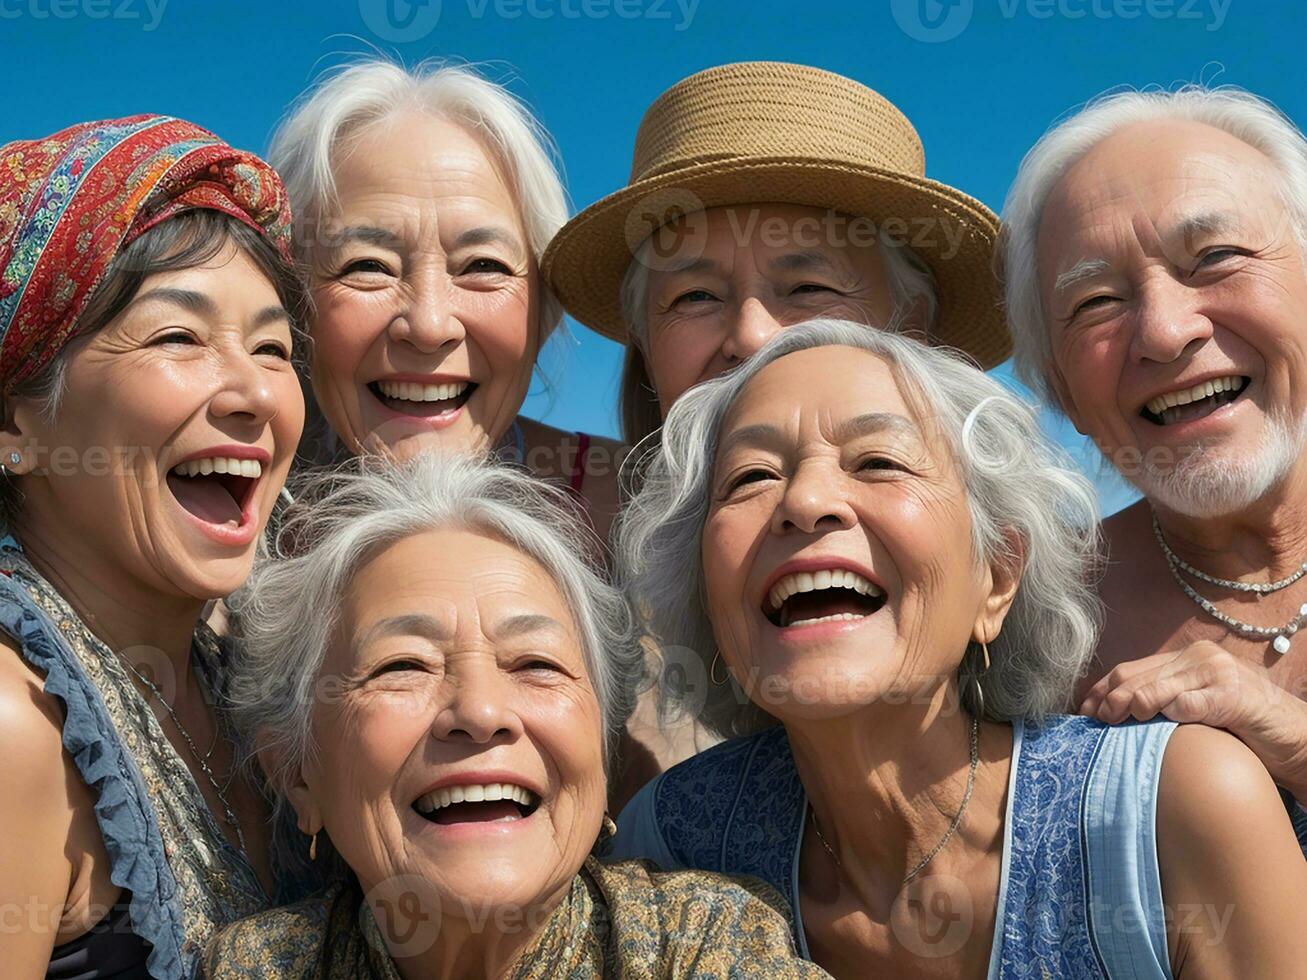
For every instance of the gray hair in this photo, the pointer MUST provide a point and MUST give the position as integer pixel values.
(1027, 504)
(286, 613)
(328, 118)
(910, 282)
(1241, 114)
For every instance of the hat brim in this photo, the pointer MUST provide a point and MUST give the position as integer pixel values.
(952, 232)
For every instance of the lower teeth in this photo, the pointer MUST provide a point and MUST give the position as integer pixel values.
(827, 619)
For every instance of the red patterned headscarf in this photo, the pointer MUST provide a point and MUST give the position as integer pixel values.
(71, 202)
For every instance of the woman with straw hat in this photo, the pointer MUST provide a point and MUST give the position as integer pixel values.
(763, 194)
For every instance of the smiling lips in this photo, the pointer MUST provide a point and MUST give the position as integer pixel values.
(477, 803)
(1195, 402)
(823, 595)
(422, 399)
(216, 490)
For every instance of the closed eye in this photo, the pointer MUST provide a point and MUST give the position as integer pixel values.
(1216, 256)
(813, 287)
(174, 337)
(1092, 303)
(398, 667)
(880, 463)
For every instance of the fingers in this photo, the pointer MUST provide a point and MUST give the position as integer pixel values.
(1128, 676)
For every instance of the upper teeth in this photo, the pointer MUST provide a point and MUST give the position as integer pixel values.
(220, 464)
(487, 793)
(1205, 390)
(835, 578)
(407, 391)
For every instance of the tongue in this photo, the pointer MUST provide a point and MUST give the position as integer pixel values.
(206, 498)
(478, 812)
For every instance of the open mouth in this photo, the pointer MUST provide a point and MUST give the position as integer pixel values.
(422, 400)
(1194, 403)
(489, 803)
(217, 490)
(805, 598)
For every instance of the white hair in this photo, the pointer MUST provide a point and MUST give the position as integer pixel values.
(1021, 489)
(288, 611)
(1241, 114)
(910, 282)
(327, 118)
(1205, 483)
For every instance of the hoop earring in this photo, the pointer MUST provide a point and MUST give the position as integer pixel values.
(313, 847)
(712, 670)
(978, 692)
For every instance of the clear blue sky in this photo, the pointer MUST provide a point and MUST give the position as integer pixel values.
(980, 79)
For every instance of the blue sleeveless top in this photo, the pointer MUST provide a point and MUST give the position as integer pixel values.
(1080, 894)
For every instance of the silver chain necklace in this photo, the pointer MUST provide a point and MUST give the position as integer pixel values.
(228, 814)
(957, 818)
(1281, 637)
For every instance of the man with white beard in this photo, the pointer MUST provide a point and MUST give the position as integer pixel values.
(1156, 282)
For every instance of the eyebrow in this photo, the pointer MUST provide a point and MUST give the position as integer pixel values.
(487, 235)
(1078, 273)
(1204, 222)
(201, 305)
(367, 234)
(409, 624)
(875, 422)
(681, 266)
(803, 261)
(524, 623)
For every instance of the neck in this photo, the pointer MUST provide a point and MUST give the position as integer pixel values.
(885, 785)
(114, 605)
(1265, 541)
(485, 946)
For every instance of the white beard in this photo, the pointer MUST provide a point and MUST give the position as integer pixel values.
(1210, 482)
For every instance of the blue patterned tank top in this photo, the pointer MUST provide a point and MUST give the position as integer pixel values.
(1080, 893)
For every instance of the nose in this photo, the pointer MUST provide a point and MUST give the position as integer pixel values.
(245, 390)
(428, 319)
(753, 326)
(1168, 322)
(814, 500)
(479, 707)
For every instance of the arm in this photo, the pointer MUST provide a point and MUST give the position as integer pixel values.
(1233, 880)
(35, 820)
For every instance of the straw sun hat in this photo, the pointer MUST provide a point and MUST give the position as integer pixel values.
(773, 133)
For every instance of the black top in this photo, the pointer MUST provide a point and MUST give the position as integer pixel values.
(109, 950)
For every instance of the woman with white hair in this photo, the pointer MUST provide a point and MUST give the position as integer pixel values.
(434, 682)
(859, 535)
(426, 199)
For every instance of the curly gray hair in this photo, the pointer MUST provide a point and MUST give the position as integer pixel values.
(1027, 504)
(286, 612)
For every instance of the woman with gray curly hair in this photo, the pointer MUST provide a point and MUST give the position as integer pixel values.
(433, 680)
(857, 536)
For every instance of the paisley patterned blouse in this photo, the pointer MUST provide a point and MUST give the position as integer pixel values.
(165, 847)
(617, 921)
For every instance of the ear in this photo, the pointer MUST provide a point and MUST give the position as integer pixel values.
(22, 430)
(1004, 580)
(307, 812)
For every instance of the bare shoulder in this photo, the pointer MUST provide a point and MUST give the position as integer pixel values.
(1214, 793)
(28, 717)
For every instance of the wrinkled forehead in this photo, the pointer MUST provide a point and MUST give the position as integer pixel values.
(830, 393)
(1157, 187)
(791, 237)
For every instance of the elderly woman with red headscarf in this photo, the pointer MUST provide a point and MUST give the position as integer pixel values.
(148, 307)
